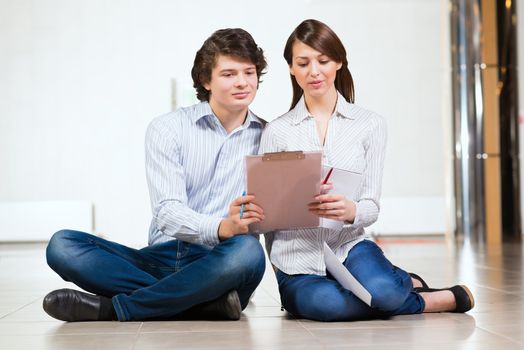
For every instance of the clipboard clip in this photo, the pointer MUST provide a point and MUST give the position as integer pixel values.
(283, 156)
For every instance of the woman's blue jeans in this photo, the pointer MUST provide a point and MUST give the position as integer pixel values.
(158, 281)
(322, 298)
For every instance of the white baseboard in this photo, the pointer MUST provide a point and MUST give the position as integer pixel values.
(411, 216)
(37, 221)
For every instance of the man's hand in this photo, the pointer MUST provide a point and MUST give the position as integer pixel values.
(333, 206)
(233, 224)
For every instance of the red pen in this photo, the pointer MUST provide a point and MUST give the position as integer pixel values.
(327, 176)
(326, 179)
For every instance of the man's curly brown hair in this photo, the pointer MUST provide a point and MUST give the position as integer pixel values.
(233, 42)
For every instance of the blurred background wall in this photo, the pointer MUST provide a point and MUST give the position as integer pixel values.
(80, 81)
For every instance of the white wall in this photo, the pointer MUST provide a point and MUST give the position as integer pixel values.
(80, 80)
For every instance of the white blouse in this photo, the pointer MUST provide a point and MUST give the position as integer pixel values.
(355, 141)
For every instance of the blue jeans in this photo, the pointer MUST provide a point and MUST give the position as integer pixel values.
(158, 281)
(322, 298)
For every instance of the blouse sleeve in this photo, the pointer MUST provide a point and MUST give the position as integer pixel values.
(368, 206)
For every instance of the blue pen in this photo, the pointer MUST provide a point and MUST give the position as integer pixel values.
(242, 206)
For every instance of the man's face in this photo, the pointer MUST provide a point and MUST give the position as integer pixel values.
(233, 84)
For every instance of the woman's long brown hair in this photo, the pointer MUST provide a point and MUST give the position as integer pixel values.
(320, 37)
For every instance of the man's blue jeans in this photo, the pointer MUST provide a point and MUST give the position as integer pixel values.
(158, 281)
(322, 298)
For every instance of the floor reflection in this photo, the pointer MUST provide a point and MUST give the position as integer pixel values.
(493, 273)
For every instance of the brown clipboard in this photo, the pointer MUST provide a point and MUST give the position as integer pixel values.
(284, 183)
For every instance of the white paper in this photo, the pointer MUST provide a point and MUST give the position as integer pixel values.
(344, 277)
(346, 183)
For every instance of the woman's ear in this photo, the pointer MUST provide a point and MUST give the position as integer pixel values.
(339, 65)
(291, 71)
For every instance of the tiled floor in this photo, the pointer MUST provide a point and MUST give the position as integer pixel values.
(495, 275)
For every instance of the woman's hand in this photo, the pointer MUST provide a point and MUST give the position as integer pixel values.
(234, 224)
(333, 206)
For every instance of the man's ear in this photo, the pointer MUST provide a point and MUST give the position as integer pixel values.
(206, 86)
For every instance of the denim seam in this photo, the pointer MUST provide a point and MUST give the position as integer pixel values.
(180, 247)
(119, 309)
(422, 302)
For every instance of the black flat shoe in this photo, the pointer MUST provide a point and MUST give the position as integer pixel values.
(464, 299)
(227, 307)
(72, 306)
(418, 278)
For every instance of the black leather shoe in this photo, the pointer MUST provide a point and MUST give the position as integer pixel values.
(227, 307)
(72, 305)
(463, 297)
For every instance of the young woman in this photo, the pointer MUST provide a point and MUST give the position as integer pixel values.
(323, 117)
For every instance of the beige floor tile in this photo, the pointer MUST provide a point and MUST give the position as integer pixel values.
(500, 318)
(32, 312)
(495, 276)
(407, 321)
(493, 344)
(263, 311)
(510, 331)
(406, 335)
(64, 328)
(261, 339)
(244, 324)
(68, 342)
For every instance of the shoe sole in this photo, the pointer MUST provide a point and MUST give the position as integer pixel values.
(470, 295)
(235, 311)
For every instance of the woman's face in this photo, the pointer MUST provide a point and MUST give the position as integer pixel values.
(315, 72)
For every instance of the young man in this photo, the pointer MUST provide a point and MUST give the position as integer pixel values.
(200, 262)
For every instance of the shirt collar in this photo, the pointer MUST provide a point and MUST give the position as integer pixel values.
(203, 109)
(342, 109)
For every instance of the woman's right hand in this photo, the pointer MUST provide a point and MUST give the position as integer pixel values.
(332, 206)
(325, 188)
